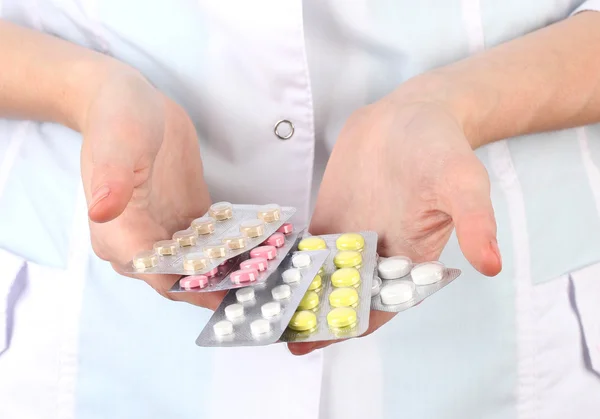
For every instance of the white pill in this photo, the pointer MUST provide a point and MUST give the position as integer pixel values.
(260, 327)
(223, 328)
(427, 273)
(376, 286)
(245, 294)
(281, 292)
(234, 311)
(397, 293)
(291, 275)
(394, 267)
(271, 309)
(301, 260)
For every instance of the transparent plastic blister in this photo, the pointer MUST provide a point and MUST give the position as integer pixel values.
(223, 233)
(262, 268)
(258, 315)
(406, 284)
(339, 305)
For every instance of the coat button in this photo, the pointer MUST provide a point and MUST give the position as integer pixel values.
(284, 129)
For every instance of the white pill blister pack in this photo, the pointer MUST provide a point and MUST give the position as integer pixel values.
(338, 305)
(249, 269)
(400, 285)
(225, 232)
(258, 315)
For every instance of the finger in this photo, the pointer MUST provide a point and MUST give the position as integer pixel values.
(120, 145)
(304, 348)
(163, 283)
(473, 215)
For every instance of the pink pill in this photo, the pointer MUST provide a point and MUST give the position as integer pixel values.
(267, 252)
(276, 239)
(212, 272)
(244, 275)
(286, 228)
(196, 281)
(260, 264)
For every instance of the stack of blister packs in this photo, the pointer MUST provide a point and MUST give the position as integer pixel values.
(284, 285)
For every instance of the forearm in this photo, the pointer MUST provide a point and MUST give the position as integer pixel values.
(547, 80)
(47, 79)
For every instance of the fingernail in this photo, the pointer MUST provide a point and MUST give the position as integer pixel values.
(101, 193)
(496, 250)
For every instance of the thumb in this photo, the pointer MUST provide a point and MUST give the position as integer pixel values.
(473, 215)
(122, 135)
(112, 188)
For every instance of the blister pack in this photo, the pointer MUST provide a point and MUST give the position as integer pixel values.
(249, 269)
(338, 303)
(258, 315)
(401, 285)
(226, 231)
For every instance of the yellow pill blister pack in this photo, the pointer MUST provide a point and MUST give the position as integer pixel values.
(223, 233)
(258, 315)
(399, 284)
(338, 302)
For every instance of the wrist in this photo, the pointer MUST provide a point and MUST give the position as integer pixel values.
(442, 89)
(83, 84)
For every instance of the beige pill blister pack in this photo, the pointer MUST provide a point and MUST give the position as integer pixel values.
(249, 269)
(400, 284)
(337, 306)
(225, 232)
(258, 315)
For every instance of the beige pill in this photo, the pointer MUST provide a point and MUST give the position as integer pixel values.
(186, 238)
(235, 242)
(195, 262)
(204, 225)
(145, 259)
(269, 213)
(252, 228)
(215, 251)
(166, 247)
(221, 211)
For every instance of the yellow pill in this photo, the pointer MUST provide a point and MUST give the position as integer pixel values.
(221, 211)
(145, 259)
(321, 271)
(345, 277)
(303, 321)
(269, 213)
(312, 243)
(204, 225)
(343, 297)
(347, 259)
(309, 301)
(341, 317)
(186, 238)
(195, 261)
(215, 251)
(235, 242)
(166, 247)
(350, 241)
(316, 283)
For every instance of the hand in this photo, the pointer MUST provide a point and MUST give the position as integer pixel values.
(142, 175)
(407, 172)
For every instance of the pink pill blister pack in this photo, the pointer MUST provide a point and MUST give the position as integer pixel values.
(258, 315)
(400, 284)
(340, 308)
(249, 269)
(225, 232)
